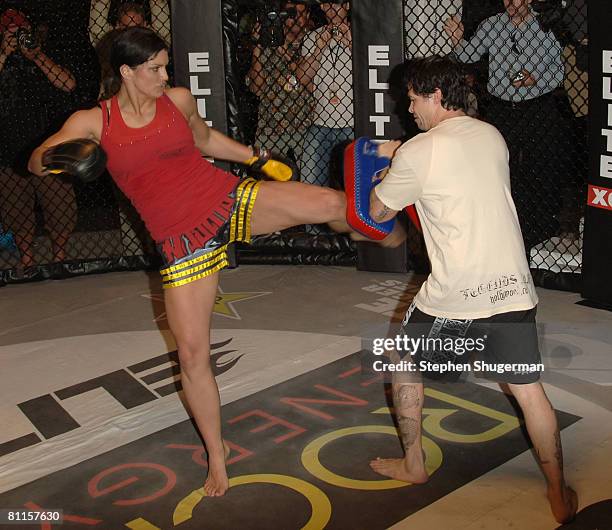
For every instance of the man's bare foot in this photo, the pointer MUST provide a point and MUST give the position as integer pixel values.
(397, 468)
(563, 506)
(217, 482)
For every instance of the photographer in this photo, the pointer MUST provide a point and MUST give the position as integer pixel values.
(524, 80)
(285, 105)
(34, 87)
(326, 68)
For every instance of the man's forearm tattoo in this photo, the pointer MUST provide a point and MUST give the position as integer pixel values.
(381, 213)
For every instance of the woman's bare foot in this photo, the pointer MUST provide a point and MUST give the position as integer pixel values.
(217, 482)
(397, 468)
(395, 238)
(563, 506)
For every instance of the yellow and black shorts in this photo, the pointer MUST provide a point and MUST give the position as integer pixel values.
(202, 251)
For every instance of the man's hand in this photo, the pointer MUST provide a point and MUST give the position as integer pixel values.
(345, 36)
(323, 38)
(527, 79)
(9, 44)
(31, 54)
(454, 29)
(388, 148)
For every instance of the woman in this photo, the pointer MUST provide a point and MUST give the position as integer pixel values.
(154, 139)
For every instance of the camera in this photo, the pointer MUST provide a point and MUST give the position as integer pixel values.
(27, 39)
(272, 19)
(516, 76)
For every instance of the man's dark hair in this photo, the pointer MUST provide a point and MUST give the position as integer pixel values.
(134, 46)
(131, 7)
(424, 74)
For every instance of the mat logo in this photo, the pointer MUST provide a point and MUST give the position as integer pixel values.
(600, 197)
(311, 438)
(395, 297)
(132, 386)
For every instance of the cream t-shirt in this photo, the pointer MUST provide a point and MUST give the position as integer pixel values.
(457, 175)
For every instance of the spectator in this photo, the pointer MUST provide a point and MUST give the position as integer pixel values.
(35, 91)
(575, 54)
(326, 69)
(286, 105)
(128, 15)
(425, 35)
(105, 15)
(424, 26)
(525, 71)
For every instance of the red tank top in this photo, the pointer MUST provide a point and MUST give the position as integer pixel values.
(161, 171)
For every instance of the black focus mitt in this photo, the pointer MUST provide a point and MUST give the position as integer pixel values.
(81, 158)
(272, 165)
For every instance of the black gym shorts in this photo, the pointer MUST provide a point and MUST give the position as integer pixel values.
(502, 348)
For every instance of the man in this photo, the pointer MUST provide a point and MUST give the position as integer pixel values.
(129, 15)
(326, 68)
(456, 173)
(285, 104)
(525, 70)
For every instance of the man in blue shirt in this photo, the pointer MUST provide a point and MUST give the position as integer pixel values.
(525, 71)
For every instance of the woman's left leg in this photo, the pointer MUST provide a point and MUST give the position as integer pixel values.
(189, 309)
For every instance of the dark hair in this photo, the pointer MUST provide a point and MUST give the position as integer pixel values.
(424, 74)
(131, 7)
(134, 46)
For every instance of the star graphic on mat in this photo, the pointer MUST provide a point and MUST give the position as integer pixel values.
(224, 302)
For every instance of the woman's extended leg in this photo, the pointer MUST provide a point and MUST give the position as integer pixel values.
(280, 205)
(189, 309)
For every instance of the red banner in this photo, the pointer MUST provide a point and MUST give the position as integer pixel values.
(600, 197)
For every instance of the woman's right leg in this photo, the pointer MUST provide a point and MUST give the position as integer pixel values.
(280, 205)
(189, 309)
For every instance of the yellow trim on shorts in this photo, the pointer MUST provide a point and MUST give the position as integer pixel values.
(240, 222)
(215, 260)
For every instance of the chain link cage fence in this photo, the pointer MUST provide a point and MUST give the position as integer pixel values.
(296, 67)
(294, 60)
(53, 61)
(527, 64)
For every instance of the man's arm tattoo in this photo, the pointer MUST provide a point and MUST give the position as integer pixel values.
(380, 215)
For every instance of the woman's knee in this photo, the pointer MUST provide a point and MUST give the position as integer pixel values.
(332, 204)
(193, 355)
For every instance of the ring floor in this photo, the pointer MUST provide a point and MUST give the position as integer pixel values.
(89, 384)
